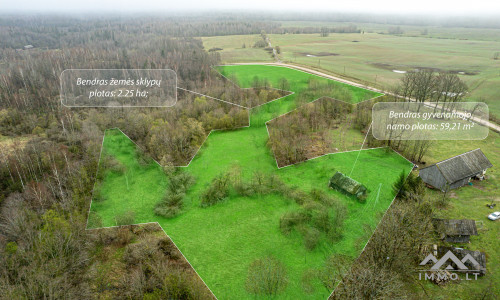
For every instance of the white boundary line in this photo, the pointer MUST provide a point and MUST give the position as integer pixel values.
(324, 97)
(212, 97)
(248, 110)
(297, 69)
(249, 88)
(381, 219)
(95, 182)
(178, 249)
(137, 224)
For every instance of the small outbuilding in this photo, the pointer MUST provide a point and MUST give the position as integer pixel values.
(348, 185)
(457, 171)
(455, 231)
(475, 265)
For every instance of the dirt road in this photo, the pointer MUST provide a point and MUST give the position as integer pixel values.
(491, 125)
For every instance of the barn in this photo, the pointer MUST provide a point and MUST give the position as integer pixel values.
(455, 231)
(457, 171)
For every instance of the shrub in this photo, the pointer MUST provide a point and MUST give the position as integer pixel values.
(217, 191)
(137, 253)
(260, 44)
(409, 188)
(244, 189)
(170, 206)
(167, 211)
(11, 248)
(124, 236)
(311, 236)
(180, 182)
(298, 196)
(291, 219)
(262, 184)
(336, 220)
(142, 158)
(172, 203)
(110, 163)
(266, 276)
(319, 213)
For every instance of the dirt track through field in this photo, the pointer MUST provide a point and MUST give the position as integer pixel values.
(491, 125)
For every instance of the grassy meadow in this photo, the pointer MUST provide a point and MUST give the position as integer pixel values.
(222, 240)
(372, 57)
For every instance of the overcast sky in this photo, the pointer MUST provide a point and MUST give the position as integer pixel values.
(378, 6)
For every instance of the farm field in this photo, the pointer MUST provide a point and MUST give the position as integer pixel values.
(221, 241)
(371, 58)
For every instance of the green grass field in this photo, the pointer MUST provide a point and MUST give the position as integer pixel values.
(370, 58)
(221, 241)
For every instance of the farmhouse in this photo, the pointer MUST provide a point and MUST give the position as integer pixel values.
(455, 231)
(457, 171)
(348, 185)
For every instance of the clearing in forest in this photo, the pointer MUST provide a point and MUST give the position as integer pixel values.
(242, 212)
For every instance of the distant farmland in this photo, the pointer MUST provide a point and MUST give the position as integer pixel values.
(379, 59)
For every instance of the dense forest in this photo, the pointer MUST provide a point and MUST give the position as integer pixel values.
(49, 156)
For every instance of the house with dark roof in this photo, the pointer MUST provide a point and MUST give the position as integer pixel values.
(455, 231)
(457, 171)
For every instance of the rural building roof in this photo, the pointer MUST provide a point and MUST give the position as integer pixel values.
(479, 256)
(349, 185)
(455, 227)
(464, 165)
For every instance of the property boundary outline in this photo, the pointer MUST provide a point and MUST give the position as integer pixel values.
(248, 111)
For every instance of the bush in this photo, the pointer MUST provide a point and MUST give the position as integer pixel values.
(172, 203)
(110, 163)
(260, 44)
(180, 182)
(409, 188)
(261, 184)
(336, 220)
(311, 236)
(319, 213)
(137, 253)
(142, 158)
(298, 196)
(217, 191)
(266, 276)
(291, 219)
(167, 211)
